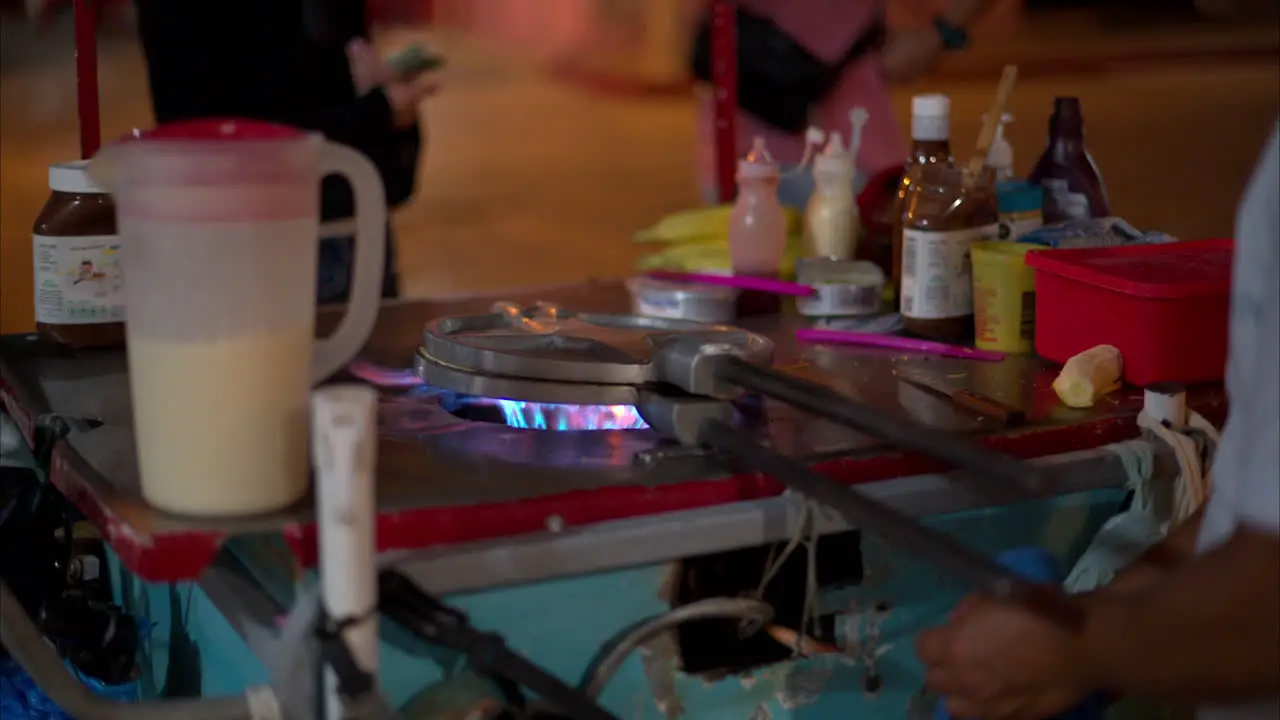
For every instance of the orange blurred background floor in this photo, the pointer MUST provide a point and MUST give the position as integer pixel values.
(529, 181)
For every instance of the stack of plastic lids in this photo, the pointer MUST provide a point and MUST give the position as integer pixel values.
(1094, 233)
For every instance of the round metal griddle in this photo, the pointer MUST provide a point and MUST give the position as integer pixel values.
(547, 354)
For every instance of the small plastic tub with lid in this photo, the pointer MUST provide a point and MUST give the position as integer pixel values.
(682, 301)
(842, 288)
(1164, 306)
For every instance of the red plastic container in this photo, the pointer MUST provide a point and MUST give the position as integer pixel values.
(1164, 306)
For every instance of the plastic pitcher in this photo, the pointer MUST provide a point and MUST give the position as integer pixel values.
(1004, 292)
(218, 220)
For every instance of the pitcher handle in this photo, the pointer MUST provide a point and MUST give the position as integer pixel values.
(333, 352)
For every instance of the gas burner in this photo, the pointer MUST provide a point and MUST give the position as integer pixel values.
(557, 417)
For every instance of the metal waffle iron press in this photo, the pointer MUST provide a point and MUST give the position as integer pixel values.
(682, 377)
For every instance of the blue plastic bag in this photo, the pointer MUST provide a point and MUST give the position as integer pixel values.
(21, 699)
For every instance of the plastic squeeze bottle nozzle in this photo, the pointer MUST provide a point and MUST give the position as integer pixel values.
(831, 222)
(757, 223)
(1000, 156)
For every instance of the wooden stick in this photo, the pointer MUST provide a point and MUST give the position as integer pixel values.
(991, 123)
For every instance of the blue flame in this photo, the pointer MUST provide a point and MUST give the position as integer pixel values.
(550, 416)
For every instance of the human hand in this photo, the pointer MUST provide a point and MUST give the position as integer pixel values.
(911, 53)
(370, 71)
(997, 661)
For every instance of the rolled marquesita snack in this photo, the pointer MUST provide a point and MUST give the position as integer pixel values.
(1088, 376)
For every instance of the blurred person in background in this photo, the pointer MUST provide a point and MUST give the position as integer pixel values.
(304, 63)
(850, 37)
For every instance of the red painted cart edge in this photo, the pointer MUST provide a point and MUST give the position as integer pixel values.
(184, 556)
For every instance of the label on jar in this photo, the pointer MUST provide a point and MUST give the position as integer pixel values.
(1062, 204)
(937, 274)
(830, 299)
(79, 280)
(658, 305)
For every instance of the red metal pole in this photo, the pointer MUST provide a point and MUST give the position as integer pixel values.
(724, 82)
(86, 24)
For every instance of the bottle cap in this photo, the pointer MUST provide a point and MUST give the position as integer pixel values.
(834, 160)
(73, 177)
(758, 164)
(931, 117)
(932, 105)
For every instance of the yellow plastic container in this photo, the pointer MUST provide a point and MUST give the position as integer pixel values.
(1004, 296)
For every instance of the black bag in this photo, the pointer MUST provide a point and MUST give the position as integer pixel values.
(779, 80)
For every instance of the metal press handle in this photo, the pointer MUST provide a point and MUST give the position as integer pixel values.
(987, 467)
(985, 575)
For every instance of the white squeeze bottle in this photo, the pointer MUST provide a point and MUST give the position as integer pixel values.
(757, 224)
(830, 222)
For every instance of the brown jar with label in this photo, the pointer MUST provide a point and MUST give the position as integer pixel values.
(79, 282)
(945, 211)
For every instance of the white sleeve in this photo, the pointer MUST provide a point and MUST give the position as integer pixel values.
(1250, 451)
(1249, 456)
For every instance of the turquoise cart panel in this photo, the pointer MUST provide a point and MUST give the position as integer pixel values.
(561, 624)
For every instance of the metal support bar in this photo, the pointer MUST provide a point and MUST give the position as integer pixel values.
(986, 575)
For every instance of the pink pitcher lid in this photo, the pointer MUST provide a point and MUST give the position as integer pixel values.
(212, 170)
(224, 129)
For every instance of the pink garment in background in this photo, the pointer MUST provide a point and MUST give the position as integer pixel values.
(827, 28)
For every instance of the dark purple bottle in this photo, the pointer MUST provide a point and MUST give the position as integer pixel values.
(1073, 188)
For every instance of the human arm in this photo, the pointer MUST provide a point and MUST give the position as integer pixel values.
(912, 52)
(367, 125)
(387, 105)
(1209, 630)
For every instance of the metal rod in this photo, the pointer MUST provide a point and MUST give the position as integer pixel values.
(984, 464)
(87, 101)
(724, 99)
(987, 576)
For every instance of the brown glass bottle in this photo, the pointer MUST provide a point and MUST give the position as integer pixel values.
(930, 147)
(78, 288)
(946, 211)
(1073, 188)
